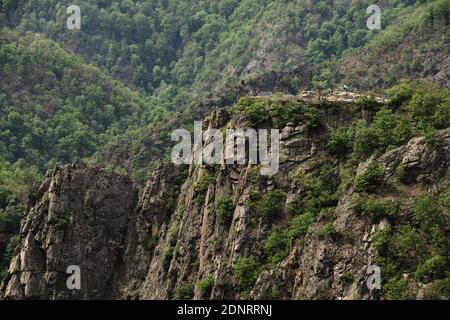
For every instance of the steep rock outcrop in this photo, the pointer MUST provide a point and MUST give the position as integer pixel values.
(81, 216)
(148, 243)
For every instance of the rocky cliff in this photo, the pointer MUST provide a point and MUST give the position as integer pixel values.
(204, 231)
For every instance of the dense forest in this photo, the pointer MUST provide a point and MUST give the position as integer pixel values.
(135, 66)
(174, 47)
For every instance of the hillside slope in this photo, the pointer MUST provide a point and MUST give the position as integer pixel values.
(179, 49)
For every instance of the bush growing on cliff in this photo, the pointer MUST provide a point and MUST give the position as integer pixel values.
(368, 103)
(326, 231)
(397, 289)
(271, 203)
(173, 234)
(402, 174)
(340, 142)
(205, 285)
(371, 179)
(255, 111)
(224, 208)
(276, 245)
(438, 290)
(415, 109)
(400, 94)
(375, 209)
(184, 292)
(202, 185)
(426, 211)
(433, 268)
(167, 258)
(382, 241)
(295, 112)
(419, 247)
(441, 118)
(280, 112)
(445, 199)
(61, 224)
(149, 242)
(254, 175)
(246, 270)
(299, 225)
(320, 190)
(390, 129)
(362, 139)
(295, 206)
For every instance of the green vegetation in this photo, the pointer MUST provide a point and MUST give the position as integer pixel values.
(15, 180)
(276, 245)
(402, 174)
(246, 270)
(318, 200)
(279, 112)
(418, 246)
(184, 292)
(340, 143)
(205, 285)
(415, 109)
(382, 239)
(271, 203)
(347, 277)
(398, 289)
(8, 254)
(254, 175)
(61, 224)
(173, 234)
(375, 209)
(201, 186)
(255, 111)
(63, 110)
(439, 290)
(320, 190)
(433, 268)
(149, 242)
(58, 109)
(299, 225)
(295, 205)
(10, 219)
(426, 211)
(163, 48)
(326, 231)
(445, 199)
(167, 258)
(371, 180)
(224, 208)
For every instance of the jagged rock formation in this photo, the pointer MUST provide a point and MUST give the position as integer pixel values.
(133, 243)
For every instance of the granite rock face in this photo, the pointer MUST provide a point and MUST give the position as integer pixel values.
(134, 242)
(80, 217)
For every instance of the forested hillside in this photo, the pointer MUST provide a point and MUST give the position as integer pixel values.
(165, 47)
(55, 108)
